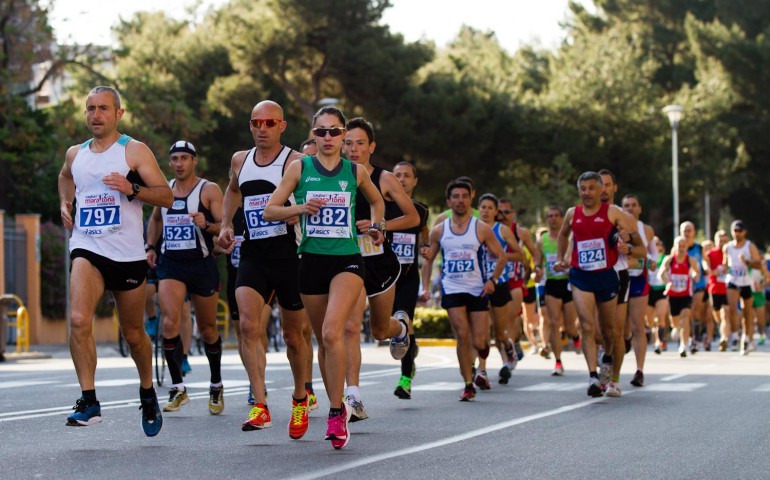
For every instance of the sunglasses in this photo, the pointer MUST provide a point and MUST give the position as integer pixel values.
(266, 122)
(333, 132)
(506, 212)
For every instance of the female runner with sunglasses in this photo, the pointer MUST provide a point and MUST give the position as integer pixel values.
(331, 268)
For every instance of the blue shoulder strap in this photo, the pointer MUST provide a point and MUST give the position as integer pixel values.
(124, 139)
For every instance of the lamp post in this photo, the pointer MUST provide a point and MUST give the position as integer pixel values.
(674, 114)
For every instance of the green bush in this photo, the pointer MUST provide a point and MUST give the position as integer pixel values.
(432, 322)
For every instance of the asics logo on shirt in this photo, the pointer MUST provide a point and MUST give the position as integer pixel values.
(312, 179)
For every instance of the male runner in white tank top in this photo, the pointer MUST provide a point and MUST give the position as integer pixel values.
(739, 256)
(110, 175)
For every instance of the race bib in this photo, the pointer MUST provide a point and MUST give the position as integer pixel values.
(235, 256)
(254, 210)
(550, 261)
(368, 249)
(333, 220)
(592, 254)
(179, 232)
(99, 214)
(738, 271)
(459, 264)
(679, 282)
(404, 244)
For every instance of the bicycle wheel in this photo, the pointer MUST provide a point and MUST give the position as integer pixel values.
(122, 345)
(160, 360)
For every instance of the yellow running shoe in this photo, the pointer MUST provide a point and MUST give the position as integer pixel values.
(216, 400)
(176, 398)
(312, 403)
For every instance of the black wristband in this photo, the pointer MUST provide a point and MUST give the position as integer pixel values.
(148, 247)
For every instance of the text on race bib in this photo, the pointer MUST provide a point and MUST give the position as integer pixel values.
(404, 245)
(368, 249)
(679, 282)
(179, 232)
(592, 254)
(333, 219)
(235, 256)
(459, 264)
(99, 214)
(254, 210)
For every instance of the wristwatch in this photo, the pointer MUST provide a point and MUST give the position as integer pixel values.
(148, 247)
(135, 187)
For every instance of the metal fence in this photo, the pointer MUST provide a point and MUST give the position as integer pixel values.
(15, 247)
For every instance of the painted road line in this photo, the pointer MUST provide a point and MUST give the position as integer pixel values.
(553, 387)
(25, 383)
(671, 378)
(674, 387)
(447, 441)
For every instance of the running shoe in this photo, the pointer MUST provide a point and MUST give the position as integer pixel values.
(468, 394)
(613, 389)
(657, 349)
(151, 327)
(312, 403)
(761, 339)
(250, 400)
(735, 345)
(404, 388)
(337, 429)
(558, 370)
(693, 347)
(534, 349)
(707, 346)
(505, 375)
(723, 345)
(594, 387)
(638, 380)
(663, 346)
(576, 343)
(216, 400)
(299, 422)
(357, 410)
(519, 350)
(152, 419)
(545, 352)
(85, 414)
(176, 398)
(605, 372)
(259, 418)
(482, 380)
(400, 345)
(186, 368)
(682, 350)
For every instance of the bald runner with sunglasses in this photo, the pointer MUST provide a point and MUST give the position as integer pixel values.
(269, 264)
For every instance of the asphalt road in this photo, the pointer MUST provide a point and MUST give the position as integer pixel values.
(702, 417)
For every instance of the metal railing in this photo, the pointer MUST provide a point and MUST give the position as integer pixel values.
(18, 319)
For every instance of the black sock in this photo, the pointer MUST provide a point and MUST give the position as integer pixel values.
(333, 412)
(606, 358)
(173, 350)
(214, 354)
(309, 387)
(407, 363)
(146, 392)
(300, 400)
(576, 338)
(558, 360)
(593, 375)
(89, 396)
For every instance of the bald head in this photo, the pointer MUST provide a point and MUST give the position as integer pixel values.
(267, 109)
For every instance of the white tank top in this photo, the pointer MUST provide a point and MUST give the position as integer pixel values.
(738, 273)
(636, 272)
(105, 222)
(463, 256)
(181, 238)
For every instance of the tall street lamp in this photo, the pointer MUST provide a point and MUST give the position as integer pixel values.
(674, 114)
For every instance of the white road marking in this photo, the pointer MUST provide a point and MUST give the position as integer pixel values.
(553, 387)
(674, 387)
(447, 441)
(762, 388)
(673, 377)
(438, 387)
(23, 383)
(228, 384)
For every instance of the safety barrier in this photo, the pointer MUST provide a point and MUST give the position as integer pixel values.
(20, 322)
(223, 318)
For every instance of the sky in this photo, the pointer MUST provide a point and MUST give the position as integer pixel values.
(515, 22)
